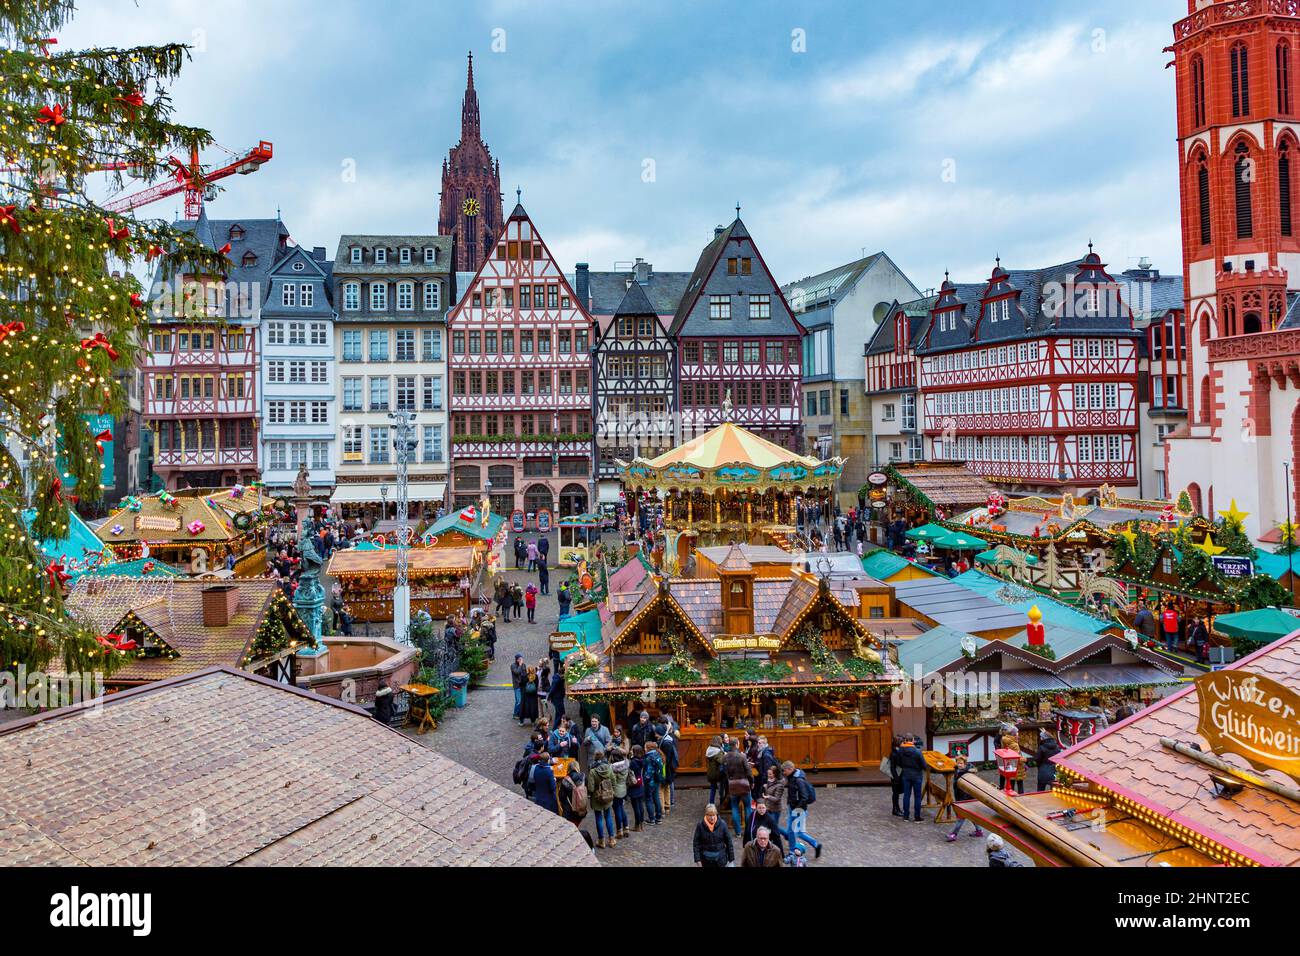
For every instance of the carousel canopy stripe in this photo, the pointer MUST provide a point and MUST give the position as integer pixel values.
(928, 532)
(731, 453)
(991, 557)
(1264, 625)
(959, 541)
(384, 560)
(455, 521)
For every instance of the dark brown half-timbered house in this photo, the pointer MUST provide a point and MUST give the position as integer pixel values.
(736, 335)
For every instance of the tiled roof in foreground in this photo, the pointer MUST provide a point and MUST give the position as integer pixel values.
(223, 768)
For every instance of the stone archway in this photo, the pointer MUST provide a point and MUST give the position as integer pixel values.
(573, 500)
(537, 498)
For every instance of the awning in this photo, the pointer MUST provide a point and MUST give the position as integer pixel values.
(366, 492)
(608, 492)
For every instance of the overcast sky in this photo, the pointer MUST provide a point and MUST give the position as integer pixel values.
(942, 133)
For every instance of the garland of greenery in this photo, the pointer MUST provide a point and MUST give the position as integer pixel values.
(580, 668)
(549, 437)
(749, 672)
(1042, 650)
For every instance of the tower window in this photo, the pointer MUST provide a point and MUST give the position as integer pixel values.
(1284, 77)
(1203, 188)
(1284, 188)
(1240, 81)
(1244, 175)
(1198, 91)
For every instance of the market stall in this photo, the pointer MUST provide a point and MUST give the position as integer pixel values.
(442, 580)
(782, 656)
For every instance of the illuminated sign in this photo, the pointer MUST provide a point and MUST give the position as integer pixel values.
(749, 642)
(1251, 716)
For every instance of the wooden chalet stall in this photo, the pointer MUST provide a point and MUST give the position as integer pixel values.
(443, 580)
(193, 529)
(1207, 776)
(782, 655)
(728, 485)
(933, 491)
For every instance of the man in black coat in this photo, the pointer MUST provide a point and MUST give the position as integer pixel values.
(518, 677)
(912, 765)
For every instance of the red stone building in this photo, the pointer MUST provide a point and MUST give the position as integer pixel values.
(470, 207)
(521, 381)
(1238, 111)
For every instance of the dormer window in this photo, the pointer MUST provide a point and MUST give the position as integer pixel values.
(1094, 301)
(404, 255)
(355, 254)
(381, 254)
(236, 233)
(430, 254)
(250, 259)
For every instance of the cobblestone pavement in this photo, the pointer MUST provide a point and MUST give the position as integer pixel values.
(854, 823)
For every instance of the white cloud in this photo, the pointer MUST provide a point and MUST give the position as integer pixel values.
(892, 75)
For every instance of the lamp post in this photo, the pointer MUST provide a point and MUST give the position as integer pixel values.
(404, 421)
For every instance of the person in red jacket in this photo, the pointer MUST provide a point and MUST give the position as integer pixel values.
(1169, 623)
(530, 602)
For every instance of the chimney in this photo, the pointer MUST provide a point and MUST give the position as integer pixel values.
(642, 270)
(718, 230)
(582, 284)
(318, 253)
(219, 604)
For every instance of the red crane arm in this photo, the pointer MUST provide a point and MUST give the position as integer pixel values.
(191, 180)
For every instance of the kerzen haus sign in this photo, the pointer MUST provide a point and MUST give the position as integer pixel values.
(1252, 716)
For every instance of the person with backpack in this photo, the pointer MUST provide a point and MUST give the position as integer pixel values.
(653, 775)
(713, 761)
(574, 801)
(595, 741)
(711, 846)
(530, 602)
(543, 549)
(517, 600)
(600, 790)
(800, 794)
(636, 785)
(619, 765)
(668, 752)
(1047, 749)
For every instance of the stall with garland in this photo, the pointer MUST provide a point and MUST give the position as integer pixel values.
(722, 654)
(728, 485)
(195, 529)
(442, 580)
(476, 527)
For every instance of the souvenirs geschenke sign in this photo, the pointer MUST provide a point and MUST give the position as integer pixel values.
(563, 641)
(1251, 716)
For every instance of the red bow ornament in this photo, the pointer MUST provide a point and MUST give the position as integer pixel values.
(51, 115)
(153, 253)
(115, 233)
(132, 101)
(137, 300)
(54, 571)
(11, 328)
(102, 437)
(100, 341)
(56, 490)
(7, 218)
(224, 250)
(45, 43)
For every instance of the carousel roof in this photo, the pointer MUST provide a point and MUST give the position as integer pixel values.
(730, 444)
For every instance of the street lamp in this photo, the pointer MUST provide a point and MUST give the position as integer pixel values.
(404, 422)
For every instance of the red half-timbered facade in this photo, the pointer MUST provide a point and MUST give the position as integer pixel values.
(520, 365)
(1032, 378)
(736, 336)
(201, 368)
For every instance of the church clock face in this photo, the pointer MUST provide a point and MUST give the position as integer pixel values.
(470, 206)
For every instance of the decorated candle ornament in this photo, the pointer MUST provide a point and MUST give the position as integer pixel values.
(1037, 633)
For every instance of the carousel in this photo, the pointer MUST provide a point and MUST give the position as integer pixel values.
(728, 485)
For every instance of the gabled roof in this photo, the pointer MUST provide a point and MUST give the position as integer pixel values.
(285, 778)
(663, 290)
(831, 283)
(735, 560)
(692, 316)
(453, 521)
(635, 302)
(917, 312)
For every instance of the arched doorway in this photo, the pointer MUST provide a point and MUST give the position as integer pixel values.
(1250, 324)
(538, 498)
(573, 500)
(1194, 492)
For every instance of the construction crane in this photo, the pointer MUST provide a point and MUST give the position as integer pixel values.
(191, 179)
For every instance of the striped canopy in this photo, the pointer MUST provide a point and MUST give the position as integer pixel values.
(729, 444)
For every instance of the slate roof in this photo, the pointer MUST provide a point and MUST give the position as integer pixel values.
(1151, 296)
(283, 777)
(607, 290)
(172, 609)
(343, 266)
(1127, 758)
(884, 336)
(1030, 314)
(265, 238)
(827, 286)
(710, 278)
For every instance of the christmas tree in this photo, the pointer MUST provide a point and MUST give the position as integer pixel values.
(72, 314)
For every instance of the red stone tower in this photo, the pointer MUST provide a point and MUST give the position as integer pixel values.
(471, 188)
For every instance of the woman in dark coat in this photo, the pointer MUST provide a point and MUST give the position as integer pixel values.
(528, 698)
(1047, 748)
(896, 775)
(712, 845)
(555, 694)
(543, 781)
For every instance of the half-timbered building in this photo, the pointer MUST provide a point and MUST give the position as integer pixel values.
(634, 365)
(201, 367)
(520, 366)
(736, 335)
(890, 379)
(1032, 378)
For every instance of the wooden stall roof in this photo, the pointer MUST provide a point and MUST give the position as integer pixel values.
(950, 484)
(171, 608)
(384, 560)
(946, 602)
(1128, 760)
(326, 785)
(163, 524)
